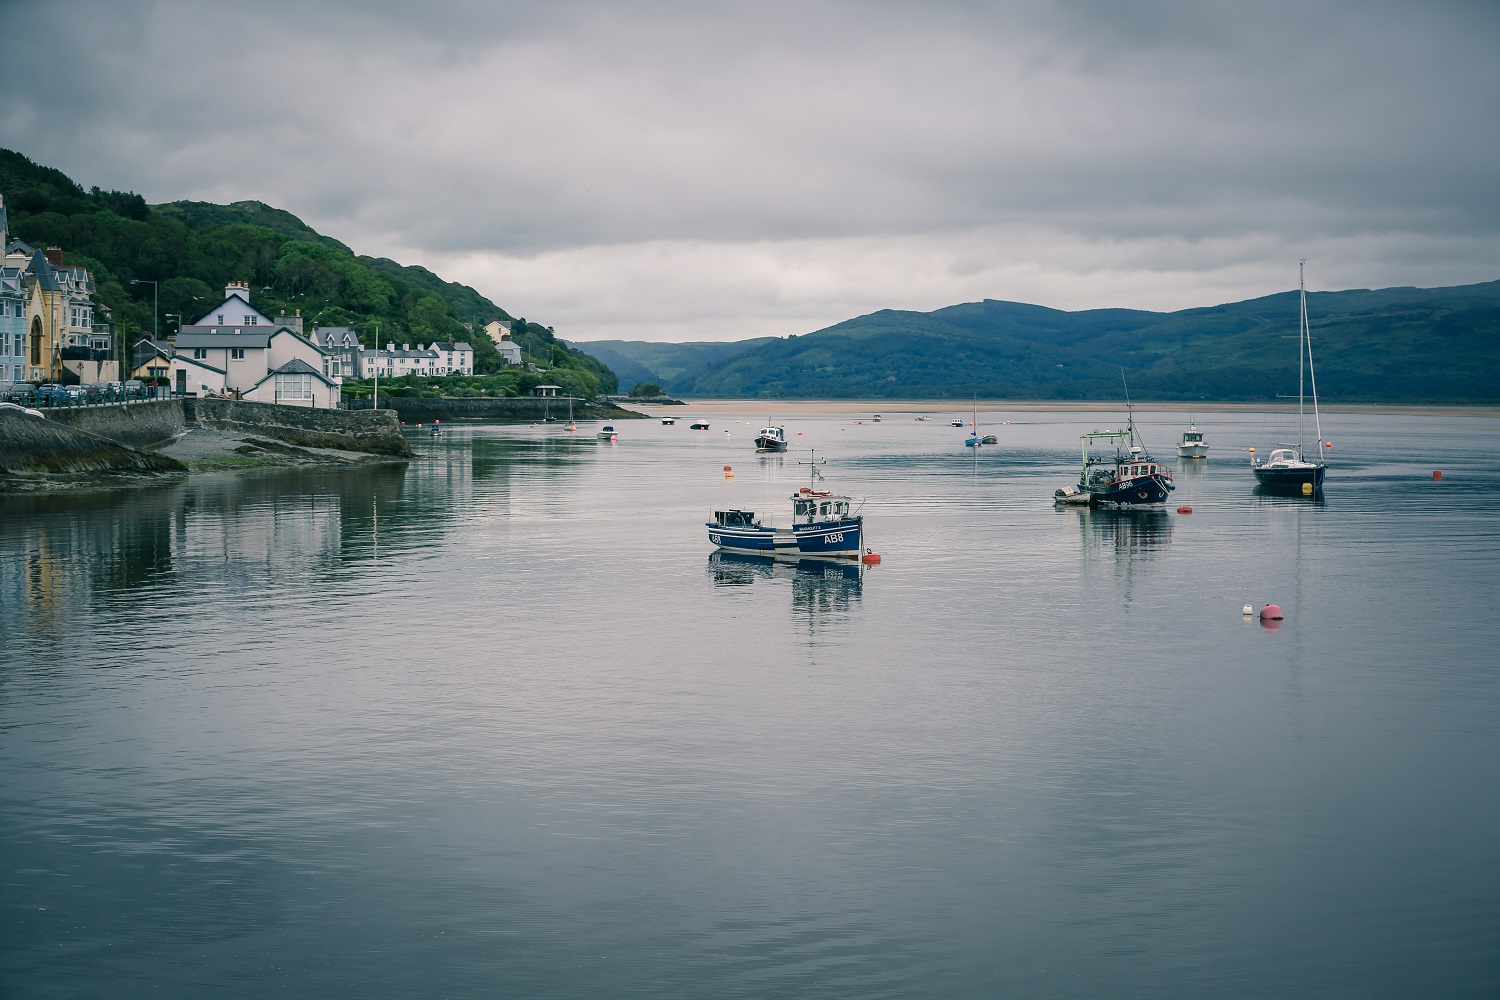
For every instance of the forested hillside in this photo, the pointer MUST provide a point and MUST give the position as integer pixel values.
(1437, 345)
(192, 249)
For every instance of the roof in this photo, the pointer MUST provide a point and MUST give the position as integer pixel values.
(448, 345)
(296, 366)
(335, 336)
(423, 353)
(43, 272)
(224, 336)
(194, 361)
(223, 306)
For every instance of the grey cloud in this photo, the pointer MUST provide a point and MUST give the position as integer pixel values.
(523, 130)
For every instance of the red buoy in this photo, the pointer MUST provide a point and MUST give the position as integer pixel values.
(728, 469)
(870, 559)
(1328, 444)
(1437, 474)
(1271, 612)
(1184, 510)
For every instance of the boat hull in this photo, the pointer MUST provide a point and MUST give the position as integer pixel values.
(826, 538)
(769, 444)
(1143, 491)
(1192, 451)
(1290, 480)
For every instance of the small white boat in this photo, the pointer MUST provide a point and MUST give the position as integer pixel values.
(877, 418)
(607, 433)
(1192, 445)
(923, 417)
(955, 422)
(668, 421)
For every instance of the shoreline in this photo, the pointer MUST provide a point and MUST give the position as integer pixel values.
(907, 406)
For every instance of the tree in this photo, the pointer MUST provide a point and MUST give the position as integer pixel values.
(645, 390)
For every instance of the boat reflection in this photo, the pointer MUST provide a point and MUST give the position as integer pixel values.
(1131, 533)
(821, 588)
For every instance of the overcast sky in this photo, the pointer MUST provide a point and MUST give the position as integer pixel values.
(701, 171)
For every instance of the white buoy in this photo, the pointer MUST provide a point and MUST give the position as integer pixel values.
(1248, 611)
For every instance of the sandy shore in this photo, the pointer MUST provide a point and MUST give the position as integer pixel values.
(888, 406)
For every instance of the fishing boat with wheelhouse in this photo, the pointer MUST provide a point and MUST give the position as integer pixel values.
(823, 524)
(1128, 477)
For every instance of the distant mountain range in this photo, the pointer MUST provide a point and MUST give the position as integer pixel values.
(1393, 345)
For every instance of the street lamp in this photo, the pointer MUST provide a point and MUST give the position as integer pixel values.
(155, 302)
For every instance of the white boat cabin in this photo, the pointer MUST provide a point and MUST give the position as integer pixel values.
(815, 508)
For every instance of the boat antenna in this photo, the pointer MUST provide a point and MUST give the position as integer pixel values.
(1129, 410)
(814, 463)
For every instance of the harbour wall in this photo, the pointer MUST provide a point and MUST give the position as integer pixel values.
(525, 409)
(32, 446)
(158, 422)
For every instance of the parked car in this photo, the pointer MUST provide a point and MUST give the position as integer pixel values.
(23, 393)
(135, 389)
(51, 394)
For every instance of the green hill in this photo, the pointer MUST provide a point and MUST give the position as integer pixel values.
(675, 367)
(193, 249)
(1409, 345)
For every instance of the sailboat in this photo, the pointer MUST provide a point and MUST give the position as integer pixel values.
(571, 426)
(974, 440)
(1287, 469)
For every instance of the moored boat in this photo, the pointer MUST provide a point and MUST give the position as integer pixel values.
(668, 421)
(1129, 477)
(1287, 470)
(608, 433)
(699, 425)
(1192, 444)
(771, 438)
(823, 524)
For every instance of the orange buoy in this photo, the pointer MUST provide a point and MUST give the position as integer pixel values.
(728, 468)
(1184, 510)
(1328, 444)
(870, 559)
(1437, 474)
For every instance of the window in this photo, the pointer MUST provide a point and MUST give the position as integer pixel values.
(250, 320)
(293, 385)
(237, 353)
(221, 319)
(199, 353)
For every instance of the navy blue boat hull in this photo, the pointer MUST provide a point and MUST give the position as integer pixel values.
(1142, 491)
(743, 539)
(826, 538)
(1290, 480)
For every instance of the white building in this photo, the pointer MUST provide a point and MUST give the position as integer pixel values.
(235, 348)
(437, 359)
(499, 332)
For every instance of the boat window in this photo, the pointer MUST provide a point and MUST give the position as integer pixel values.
(823, 509)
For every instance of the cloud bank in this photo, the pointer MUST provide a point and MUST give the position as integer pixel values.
(681, 171)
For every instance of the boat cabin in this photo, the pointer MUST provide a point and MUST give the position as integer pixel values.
(812, 508)
(1192, 437)
(736, 518)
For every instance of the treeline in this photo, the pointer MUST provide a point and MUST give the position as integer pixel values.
(191, 250)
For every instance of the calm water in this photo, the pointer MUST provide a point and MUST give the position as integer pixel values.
(498, 724)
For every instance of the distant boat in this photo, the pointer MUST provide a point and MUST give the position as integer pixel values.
(989, 439)
(607, 433)
(923, 417)
(669, 421)
(771, 438)
(974, 440)
(955, 422)
(1288, 470)
(877, 418)
(1192, 444)
(699, 425)
(571, 426)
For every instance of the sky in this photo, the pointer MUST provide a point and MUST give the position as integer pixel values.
(678, 171)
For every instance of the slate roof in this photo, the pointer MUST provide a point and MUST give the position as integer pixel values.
(448, 345)
(338, 337)
(194, 361)
(225, 336)
(43, 272)
(296, 366)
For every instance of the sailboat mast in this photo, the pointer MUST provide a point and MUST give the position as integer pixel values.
(1312, 376)
(1301, 352)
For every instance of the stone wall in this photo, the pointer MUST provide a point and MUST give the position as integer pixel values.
(139, 425)
(484, 408)
(375, 432)
(30, 445)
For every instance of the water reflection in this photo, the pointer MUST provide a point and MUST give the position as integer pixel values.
(1125, 533)
(822, 589)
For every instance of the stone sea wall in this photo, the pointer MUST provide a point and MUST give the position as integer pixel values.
(527, 409)
(30, 447)
(154, 423)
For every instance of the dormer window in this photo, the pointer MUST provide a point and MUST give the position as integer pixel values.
(221, 319)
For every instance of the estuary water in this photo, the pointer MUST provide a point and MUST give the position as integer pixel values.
(499, 724)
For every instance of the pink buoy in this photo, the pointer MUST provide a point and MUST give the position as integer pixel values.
(1271, 612)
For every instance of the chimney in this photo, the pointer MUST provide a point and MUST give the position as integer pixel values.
(391, 346)
(54, 256)
(240, 288)
(406, 347)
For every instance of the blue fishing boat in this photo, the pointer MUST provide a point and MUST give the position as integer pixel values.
(1129, 477)
(823, 524)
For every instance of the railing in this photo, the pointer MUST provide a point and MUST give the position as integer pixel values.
(111, 396)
